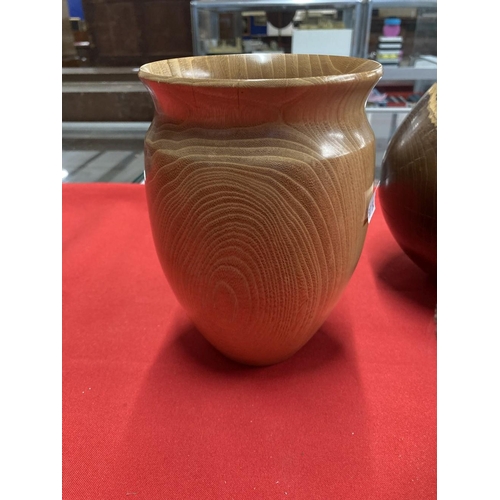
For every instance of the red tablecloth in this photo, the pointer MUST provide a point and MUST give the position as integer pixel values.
(152, 411)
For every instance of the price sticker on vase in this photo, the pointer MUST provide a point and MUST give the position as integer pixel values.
(371, 205)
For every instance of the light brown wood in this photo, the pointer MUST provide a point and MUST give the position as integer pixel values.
(259, 172)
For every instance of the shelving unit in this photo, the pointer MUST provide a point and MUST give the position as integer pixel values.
(212, 20)
(414, 67)
(205, 16)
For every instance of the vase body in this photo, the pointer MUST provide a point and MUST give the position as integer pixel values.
(408, 183)
(258, 174)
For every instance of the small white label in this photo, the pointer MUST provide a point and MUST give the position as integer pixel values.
(371, 205)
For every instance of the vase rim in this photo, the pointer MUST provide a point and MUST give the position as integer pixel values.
(219, 70)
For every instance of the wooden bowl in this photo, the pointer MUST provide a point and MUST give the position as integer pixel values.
(259, 171)
(408, 184)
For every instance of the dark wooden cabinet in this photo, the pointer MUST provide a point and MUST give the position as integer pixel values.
(134, 32)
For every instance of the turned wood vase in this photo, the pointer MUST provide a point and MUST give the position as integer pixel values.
(259, 171)
(408, 183)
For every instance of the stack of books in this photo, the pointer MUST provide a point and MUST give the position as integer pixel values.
(390, 50)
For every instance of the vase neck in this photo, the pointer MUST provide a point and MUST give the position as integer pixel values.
(222, 107)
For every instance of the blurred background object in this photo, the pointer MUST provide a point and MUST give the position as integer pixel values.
(104, 104)
(69, 55)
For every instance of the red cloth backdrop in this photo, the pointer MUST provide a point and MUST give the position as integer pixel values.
(152, 411)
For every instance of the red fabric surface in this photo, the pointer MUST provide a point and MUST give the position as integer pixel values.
(152, 411)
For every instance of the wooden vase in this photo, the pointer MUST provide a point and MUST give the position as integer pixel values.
(408, 183)
(259, 170)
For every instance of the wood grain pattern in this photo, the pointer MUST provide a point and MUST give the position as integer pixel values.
(408, 187)
(259, 171)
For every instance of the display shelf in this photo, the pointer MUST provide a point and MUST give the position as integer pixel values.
(408, 74)
(99, 74)
(417, 68)
(423, 14)
(357, 16)
(406, 4)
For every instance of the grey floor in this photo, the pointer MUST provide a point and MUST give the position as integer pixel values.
(113, 152)
(103, 152)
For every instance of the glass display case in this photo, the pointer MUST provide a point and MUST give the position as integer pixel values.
(403, 33)
(289, 26)
(403, 37)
